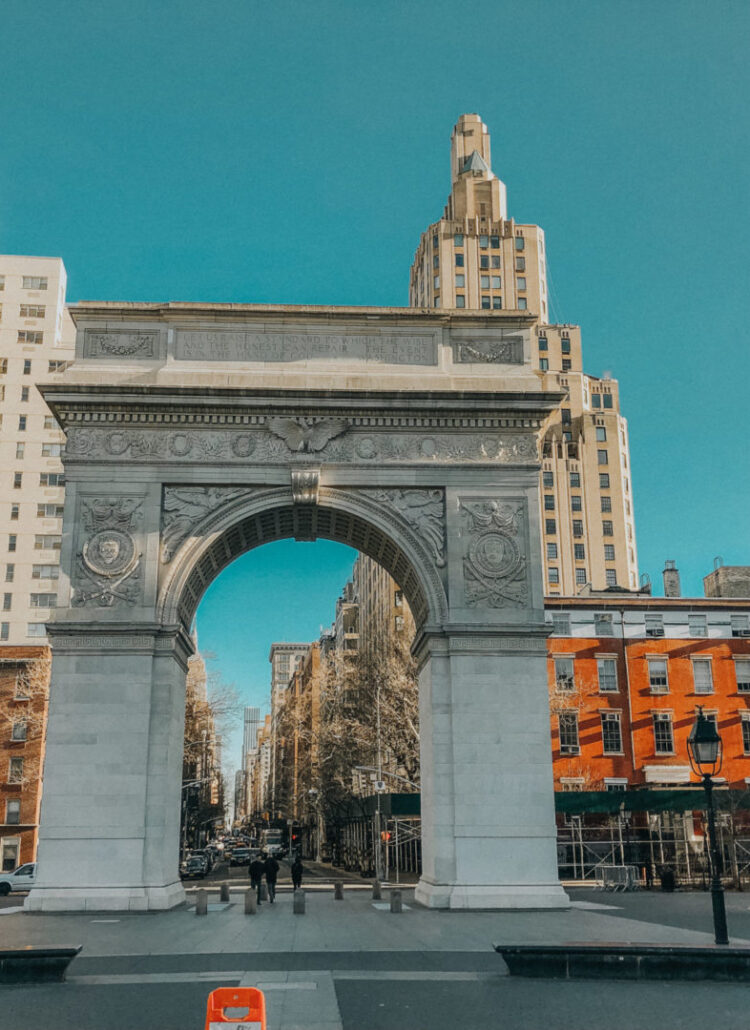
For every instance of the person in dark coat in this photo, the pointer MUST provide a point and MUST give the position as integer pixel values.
(297, 871)
(256, 870)
(271, 867)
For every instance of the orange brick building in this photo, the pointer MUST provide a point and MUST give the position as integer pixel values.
(627, 674)
(24, 690)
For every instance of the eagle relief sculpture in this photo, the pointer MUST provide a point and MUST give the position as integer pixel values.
(304, 436)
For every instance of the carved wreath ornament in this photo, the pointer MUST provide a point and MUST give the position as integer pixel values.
(494, 566)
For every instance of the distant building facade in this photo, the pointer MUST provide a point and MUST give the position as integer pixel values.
(477, 257)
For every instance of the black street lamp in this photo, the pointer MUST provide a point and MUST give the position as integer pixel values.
(705, 752)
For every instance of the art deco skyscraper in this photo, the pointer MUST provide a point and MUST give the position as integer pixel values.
(477, 257)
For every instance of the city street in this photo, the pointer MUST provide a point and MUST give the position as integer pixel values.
(353, 965)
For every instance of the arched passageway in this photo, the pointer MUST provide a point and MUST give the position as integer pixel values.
(195, 433)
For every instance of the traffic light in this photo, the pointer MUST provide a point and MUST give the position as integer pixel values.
(385, 835)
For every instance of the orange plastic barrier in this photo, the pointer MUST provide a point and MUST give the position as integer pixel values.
(249, 998)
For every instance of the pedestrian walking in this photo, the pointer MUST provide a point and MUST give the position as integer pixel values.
(297, 871)
(256, 870)
(272, 871)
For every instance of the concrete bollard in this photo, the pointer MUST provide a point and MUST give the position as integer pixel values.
(299, 903)
(201, 903)
(338, 890)
(263, 892)
(396, 901)
(224, 892)
(251, 903)
(377, 894)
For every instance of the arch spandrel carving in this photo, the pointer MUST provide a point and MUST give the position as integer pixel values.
(205, 528)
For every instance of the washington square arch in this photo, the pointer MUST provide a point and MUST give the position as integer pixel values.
(197, 432)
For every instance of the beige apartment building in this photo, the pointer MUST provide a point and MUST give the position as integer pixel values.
(37, 341)
(477, 257)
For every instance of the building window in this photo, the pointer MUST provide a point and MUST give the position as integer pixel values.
(45, 571)
(742, 672)
(550, 526)
(564, 677)
(32, 310)
(565, 345)
(549, 502)
(18, 730)
(568, 728)
(485, 303)
(601, 434)
(14, 510)
(51, 450)
(58, 366)
(42, 600)
(697, 625)
(521, 304)
(663, 739)
(596, 400)
(607, 528)
(15, 770)
(36, 629)
(655, 625)
(565, 365)
(495, 282)
(554, 576)
(740, 625)
(495, 261)
(484, 241)
(565, 416)
(543, 364)
(35, 282)
(17, 480)
(576, 503)
(7, 602)
(12, 539)
(10, 572)
(745, 720)
(29, 336)
(51, 479)
(579, 552)
(607, 400)
(461, 280)
(603, 624)
(610, 577)
(398, 623)
(611, 733)
(703, 680)
(27, 367)
(657, 675)
(520, 264)
(497, 303)
(561, 624)
(604, 480)
(521, 282)
(581, 577)
(436, 262)
(613, 785)
(494, 242)
(520, 243)
(575, 480)
(460, 300)
(22, 423)
(398, 599)
(20, 450)
(458, 239)
(459, 260)
(12, 812)
(484, 262)
(47, 542)
(436, 282)
(569, 785)
(548, 479)
(577, 527)
(4, 630)
(552, 550)
(609, 552)
(606, 502)
(484, 282)
(602, 457)
(607, 671)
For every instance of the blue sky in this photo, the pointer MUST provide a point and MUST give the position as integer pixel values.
(292, 152)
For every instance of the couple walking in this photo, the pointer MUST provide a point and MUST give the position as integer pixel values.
(264, 865)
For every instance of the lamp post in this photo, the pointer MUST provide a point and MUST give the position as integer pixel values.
(705, 752)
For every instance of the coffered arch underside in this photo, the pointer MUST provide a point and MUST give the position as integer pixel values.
(346, 517)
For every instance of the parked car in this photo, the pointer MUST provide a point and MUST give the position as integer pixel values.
(206, 855)
(20, 879)
(241, 856)
(195, 867)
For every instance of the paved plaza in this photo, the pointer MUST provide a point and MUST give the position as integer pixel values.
(353, 965)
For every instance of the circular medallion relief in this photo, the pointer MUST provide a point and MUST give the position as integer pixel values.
(366, 447)
(110, 552)
(494, 554)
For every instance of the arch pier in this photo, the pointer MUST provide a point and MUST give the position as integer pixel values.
(197, 432)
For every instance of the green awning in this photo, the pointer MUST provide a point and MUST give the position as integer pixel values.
(580, 802)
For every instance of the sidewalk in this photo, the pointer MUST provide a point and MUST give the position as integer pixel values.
(320, 969)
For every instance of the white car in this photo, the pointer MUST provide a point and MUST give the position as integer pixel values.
(19, 880)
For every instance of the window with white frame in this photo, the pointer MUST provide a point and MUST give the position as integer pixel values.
(740, 625)
(742, 672)
(614, 783)
(663, 736)
(607, 672)
(703, 680)
(564, 676)
(655, 625)
(657, 675)
(611, 733)
(570, 784)
(561, 624)
(568, 728)
(745, 722)
(603, 624)
(12, 812)
(697, 625)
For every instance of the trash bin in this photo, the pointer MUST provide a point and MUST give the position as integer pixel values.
(667, 878)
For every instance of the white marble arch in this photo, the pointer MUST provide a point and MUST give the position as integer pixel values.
(175, 467)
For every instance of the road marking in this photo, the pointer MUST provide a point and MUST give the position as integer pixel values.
(594, 905)
(156, 978)
(305, 985)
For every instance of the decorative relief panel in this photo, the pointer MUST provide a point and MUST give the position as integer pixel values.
(424, 510)
(120, 343)
(504, 347)
(108, 566)
(494, 563)
(279, 348)
(184, 507)
(295, 439)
